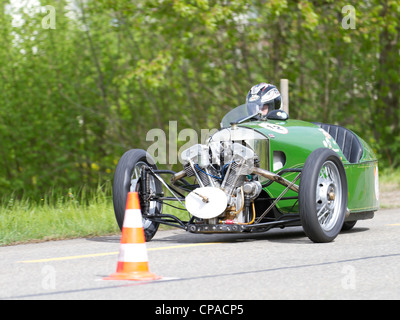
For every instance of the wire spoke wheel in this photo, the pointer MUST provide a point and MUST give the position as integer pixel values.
(323, 195)
(328, 196)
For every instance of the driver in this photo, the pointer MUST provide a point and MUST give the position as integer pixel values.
(263, 97)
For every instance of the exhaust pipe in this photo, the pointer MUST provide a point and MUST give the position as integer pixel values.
(177, 176)
(277, 178)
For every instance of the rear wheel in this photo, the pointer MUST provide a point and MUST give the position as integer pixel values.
(323, 195)
(126, 179)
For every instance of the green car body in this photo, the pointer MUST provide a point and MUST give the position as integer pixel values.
(296, 140)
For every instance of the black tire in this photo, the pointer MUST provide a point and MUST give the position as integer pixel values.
(123, 177)
(323, 195)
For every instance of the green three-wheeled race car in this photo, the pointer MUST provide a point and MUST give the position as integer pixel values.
(258, 173)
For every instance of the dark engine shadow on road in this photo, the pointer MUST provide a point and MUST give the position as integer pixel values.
(294, 235)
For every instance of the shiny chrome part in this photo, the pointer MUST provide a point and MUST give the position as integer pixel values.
(252, 189)
(177, 176)
(258, 142)
(277, 178)
(328, 196)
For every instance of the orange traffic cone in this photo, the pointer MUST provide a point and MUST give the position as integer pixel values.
(133, 261)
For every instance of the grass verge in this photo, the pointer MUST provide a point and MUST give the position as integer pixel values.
(57, 215)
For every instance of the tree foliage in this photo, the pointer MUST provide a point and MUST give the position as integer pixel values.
(74, 98)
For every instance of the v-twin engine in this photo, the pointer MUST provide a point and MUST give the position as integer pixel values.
(226, 184)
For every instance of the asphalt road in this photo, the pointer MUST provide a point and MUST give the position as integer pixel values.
(280, 264)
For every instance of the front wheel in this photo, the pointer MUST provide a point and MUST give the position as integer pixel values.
(127, 178)
(323, 195)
